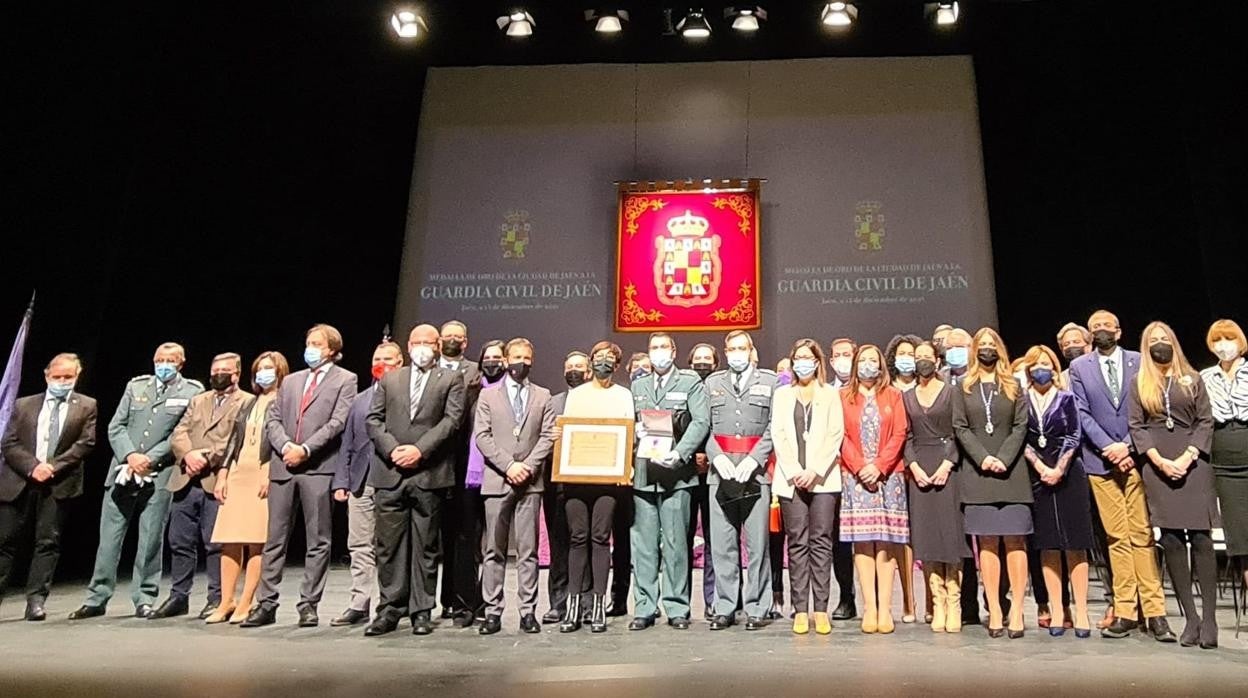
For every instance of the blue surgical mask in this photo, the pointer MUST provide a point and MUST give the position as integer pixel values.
(312, 357)
(165, 372)
(661, 359)
(59, 390)
(738, 361)
(868, 372)
(804, 368)
(904, 365)
(266, 377)
(957, 356)
(1041, 376)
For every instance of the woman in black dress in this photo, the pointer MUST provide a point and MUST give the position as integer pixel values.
(935, 519)
(1227, 385)
(990, 419)
(1172, 426)
(1063, 509)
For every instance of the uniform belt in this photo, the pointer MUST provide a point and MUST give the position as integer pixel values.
(736, 444)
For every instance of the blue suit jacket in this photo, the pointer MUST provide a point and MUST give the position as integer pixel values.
(357, 454)
(1103, 423)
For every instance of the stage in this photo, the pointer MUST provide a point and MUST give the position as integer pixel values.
(122, 656)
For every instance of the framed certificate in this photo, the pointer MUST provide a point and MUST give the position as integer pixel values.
(593, 451)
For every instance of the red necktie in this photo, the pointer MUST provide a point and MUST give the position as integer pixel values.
(303, 405)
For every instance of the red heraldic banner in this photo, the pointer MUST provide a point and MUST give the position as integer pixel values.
(688, 260)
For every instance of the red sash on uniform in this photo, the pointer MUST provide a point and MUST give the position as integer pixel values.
(736, 444)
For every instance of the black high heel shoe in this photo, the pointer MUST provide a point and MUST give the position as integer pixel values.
(995, 633)
(1015, 634)
(1056, 632)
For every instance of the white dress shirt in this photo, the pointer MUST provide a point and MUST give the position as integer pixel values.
(44, 450)
(1116, 359)
(511, 395)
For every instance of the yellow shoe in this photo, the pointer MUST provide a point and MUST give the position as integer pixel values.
(869, 624)
(886, 624)
(801, 624)
(823, 625)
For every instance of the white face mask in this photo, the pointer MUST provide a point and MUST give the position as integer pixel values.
(1226, 349)
(842, 365)
(422, 356)
(661, 359)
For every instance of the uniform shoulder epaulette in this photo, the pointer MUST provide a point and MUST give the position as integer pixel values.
(688, 372)
(720, 372)
(766, 372)
(194, 382)
(141, 379)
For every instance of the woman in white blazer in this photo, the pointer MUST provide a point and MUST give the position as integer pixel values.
(806, 431)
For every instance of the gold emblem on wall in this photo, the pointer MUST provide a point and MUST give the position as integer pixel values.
(515, 234)
(869, 225)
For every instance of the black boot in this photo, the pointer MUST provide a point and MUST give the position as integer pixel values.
(598, 621)
(572, 615)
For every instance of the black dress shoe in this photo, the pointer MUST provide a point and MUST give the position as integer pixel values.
(1160, 630)
(619, 607)
(463, 619)
(260, 616)
(422, 624)
(1120, 628)
(173, 607)
(209, 609)
(34, 611)
(491, 625)
(678, 623)
(308, 617)
(722, 622)
(1191, 633)
(144, 611)
(449, 612)
(349, 617)
(86, 611)
(641, 623)
(529, 624)
(381, 625)
(845, 611)
(554, 615)
(756, 623)
(775, 614)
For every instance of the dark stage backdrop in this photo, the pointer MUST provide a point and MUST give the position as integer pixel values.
(837, 140)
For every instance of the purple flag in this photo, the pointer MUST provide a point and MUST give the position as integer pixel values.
(13, 371)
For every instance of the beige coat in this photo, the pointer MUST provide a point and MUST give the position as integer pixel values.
(203, 427)
(826, 430)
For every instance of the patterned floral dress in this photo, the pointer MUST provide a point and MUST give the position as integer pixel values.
(881, 516)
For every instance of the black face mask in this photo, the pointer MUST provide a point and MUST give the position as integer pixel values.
(603, 369)
(493, 370)
(1162, 352)
(987, 356)
(452, 348)
(518, 371)
(926, 368)
(221, 381)
(1104, 340)
(1072, 353)
(703, 370)
(574, 379)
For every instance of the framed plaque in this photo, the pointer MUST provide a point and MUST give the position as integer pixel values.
(593, 451)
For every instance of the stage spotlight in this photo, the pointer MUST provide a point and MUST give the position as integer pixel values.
(839, 14)
(946, 13)
(407, 24)
(746, 19)
(518, 23)
(694, 25)
(607, 21)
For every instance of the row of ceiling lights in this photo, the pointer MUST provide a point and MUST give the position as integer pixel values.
(409, 23)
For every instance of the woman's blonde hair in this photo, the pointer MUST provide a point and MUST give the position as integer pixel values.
(1032, 357)
(1150, 381)
(1005, 377)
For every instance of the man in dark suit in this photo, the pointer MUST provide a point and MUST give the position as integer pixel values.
(515, 430)
(355, 460)
(47, 438)
(1101, 382)
(199, 450)
(304, 426)
(463, 518)
(415, 415)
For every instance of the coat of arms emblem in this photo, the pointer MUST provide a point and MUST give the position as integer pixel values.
(515, 234)
(869, 226)
(687, 265)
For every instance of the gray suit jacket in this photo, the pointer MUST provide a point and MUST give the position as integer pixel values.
(76, 443)
(438, 417)
(494, 430)
(323, 422)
